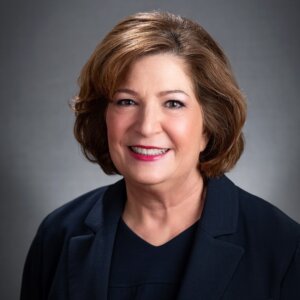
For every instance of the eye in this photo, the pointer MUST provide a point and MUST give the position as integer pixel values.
(125, 102)
(174, 104)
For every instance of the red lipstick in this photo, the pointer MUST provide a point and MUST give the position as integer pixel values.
(147, 153)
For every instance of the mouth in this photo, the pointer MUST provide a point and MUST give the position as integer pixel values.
(148, 150)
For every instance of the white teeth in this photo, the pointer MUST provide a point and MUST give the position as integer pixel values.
(145, 151)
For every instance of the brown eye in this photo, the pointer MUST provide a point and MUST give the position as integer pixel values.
(174, 104)
(126, 102)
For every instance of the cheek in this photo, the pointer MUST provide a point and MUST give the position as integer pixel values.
(187, 126)
(182, 130)
(112, 126)
(189, 133)
(179, 132)
(117, 125)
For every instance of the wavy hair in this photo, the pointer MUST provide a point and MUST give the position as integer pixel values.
(223, 104)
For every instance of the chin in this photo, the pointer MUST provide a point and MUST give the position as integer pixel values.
(145, 179)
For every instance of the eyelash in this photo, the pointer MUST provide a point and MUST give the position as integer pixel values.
(125, 102)
(172, 104)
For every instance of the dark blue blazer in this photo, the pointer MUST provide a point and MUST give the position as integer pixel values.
(245, 248)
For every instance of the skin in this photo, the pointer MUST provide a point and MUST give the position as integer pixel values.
(156, 107)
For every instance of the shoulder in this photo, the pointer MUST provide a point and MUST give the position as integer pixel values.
(250, 215)
(77, 208)
(48, 254)
(69, 219)
(264, 216)
(265, 230)
(268, 238)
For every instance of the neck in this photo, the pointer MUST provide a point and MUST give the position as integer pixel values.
(164, 208)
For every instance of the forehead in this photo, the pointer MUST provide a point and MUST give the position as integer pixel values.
(165, 70)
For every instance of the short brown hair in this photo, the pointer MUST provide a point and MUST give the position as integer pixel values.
(223, 105)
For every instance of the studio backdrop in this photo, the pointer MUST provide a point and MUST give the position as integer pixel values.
(44, 45)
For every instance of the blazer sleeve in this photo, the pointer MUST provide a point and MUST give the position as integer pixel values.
(31, 288)
(290, 289)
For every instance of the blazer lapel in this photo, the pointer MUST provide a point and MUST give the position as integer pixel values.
(90, 254)
(212, 261)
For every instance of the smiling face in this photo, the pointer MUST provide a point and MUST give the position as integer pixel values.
(155, 123)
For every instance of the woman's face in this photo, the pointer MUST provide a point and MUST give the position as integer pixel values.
(155, 123)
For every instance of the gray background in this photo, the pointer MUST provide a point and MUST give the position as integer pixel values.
(43, 47)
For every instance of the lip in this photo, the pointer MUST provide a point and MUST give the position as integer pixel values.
(147, 157)
(147, 147)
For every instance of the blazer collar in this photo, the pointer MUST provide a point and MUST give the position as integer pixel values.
(89, 255)
(212, 261)
(221, 208)
(219, 217)
(109, 208)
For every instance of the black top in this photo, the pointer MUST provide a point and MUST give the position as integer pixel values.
(140, 270)
(244, 248)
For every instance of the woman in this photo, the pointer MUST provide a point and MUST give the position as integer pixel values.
(159, 105)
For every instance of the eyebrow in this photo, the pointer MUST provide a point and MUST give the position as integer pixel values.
(127, 91)
(163, 93)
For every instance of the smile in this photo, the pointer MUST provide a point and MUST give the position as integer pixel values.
(148, 151)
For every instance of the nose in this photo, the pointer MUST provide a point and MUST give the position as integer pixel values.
(148, 120)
